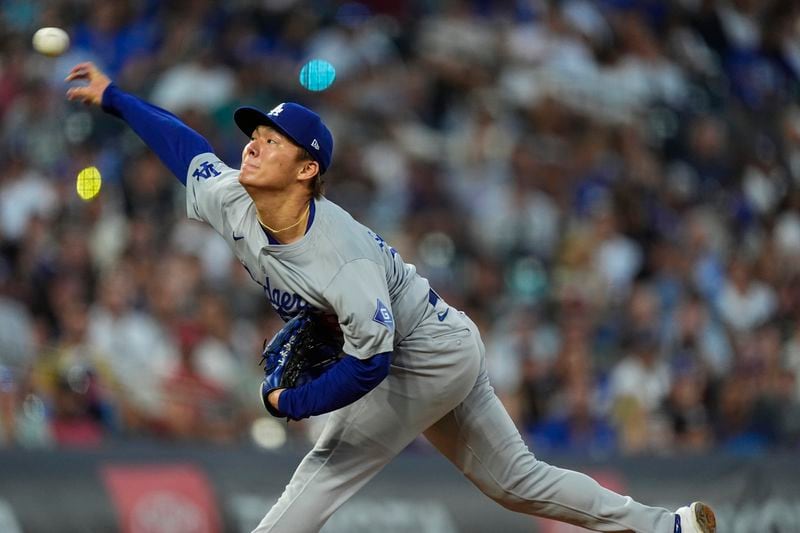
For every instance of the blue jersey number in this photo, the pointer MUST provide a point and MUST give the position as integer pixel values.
(383, 245)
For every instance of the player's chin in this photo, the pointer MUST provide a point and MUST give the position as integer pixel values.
(247, 177)
(253, 181)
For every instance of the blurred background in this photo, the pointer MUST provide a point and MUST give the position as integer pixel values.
(609, 188)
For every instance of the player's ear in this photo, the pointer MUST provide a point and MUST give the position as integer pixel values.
(309, 169)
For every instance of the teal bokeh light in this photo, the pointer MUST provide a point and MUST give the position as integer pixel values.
(317, 75)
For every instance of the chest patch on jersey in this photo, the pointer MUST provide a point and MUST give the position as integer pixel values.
(383, 316)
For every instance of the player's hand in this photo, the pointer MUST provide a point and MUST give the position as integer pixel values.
(274, 397)
(92, 92)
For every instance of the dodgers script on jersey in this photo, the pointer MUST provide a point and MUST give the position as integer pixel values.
(339, 267)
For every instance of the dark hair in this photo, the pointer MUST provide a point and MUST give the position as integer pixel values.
(318, 184)
(318, 187)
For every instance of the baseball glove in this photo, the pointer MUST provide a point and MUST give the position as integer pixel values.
(302, 350)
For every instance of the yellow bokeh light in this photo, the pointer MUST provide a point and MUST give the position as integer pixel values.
(89, 182)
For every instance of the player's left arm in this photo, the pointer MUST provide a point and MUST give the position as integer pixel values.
(360, 299)
(342, 384)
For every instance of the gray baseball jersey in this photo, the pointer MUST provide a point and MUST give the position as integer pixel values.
(340, 266)
(437, 384)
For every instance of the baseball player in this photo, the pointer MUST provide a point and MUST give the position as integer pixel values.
(412, 365)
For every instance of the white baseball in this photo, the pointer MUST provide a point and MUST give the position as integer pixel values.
(50, 41)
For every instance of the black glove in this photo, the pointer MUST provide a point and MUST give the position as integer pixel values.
(303, 349)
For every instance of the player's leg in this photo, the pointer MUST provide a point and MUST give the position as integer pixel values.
(341, 462)
(359, 440)
(480, 438)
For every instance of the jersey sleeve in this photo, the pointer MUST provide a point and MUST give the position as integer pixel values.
(360, 298)
(214, 194)
(175, 143)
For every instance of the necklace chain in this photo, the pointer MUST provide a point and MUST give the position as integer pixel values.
(299, 220)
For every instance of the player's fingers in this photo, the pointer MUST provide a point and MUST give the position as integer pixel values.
(81, 71)
(76, 72)
(74, 93)
(80, 94)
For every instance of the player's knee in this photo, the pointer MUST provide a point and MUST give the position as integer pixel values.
(502, 493)
(513, 492)
(504, 497)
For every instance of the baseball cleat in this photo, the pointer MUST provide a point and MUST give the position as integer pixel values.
(695, 518)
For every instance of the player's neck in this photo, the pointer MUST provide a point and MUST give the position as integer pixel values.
(284, 219)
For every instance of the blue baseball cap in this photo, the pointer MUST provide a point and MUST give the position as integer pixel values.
(299, 123)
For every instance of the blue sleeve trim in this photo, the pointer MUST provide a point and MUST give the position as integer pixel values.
(342, 384)
(175, 143)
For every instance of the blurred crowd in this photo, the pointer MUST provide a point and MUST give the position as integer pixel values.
(610, 188)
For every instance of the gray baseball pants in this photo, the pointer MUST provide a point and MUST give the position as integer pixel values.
(438, 386)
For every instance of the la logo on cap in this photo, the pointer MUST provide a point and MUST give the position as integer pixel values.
(277, 110)
(315, 144)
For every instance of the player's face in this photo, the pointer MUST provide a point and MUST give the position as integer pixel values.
(270, 160)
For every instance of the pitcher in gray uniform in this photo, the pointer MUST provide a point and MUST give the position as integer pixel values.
(413, 364)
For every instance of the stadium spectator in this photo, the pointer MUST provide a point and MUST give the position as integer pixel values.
(611, 189)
